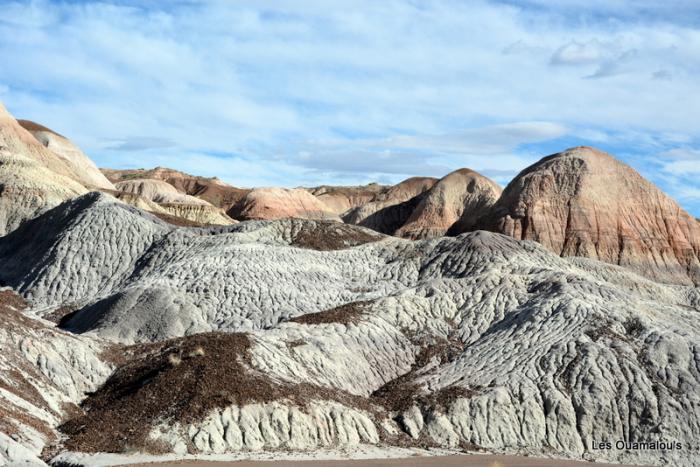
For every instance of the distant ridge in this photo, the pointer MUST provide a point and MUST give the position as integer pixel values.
(580, 202)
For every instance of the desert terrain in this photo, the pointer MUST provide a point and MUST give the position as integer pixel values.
(152, 312)
(481, 460)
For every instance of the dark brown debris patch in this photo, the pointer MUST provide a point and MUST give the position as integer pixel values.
(11, 315)
(350, 313)
(181, 380)
(403, 392)
(328, 235)
(10, 299)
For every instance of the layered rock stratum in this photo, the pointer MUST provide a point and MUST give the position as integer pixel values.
(128, 325)
(279, 203)
(157, 191)
(14, 139)
(389, 209)
(336, 335)
(584, 202)
(82, 167)
(175, 203)
(341, 199)
(212, 190)
(32, 179)
(455, 202)
(421, 207)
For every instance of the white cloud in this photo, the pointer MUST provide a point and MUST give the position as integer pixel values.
(487, 149)
(689, 193)
(434, 85)
(576, 53)
(492, 139)
(662, 75)
(681, 154)
(139, 144)
(683, 167)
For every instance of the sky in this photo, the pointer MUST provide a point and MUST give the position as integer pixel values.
(302, 93)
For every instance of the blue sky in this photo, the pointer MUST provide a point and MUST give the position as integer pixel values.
(343, 92)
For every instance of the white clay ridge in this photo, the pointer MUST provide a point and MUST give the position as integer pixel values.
(493, 342)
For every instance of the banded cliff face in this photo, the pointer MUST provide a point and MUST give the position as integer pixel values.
(584, 202)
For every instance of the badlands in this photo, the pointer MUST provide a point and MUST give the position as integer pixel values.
(151, 314)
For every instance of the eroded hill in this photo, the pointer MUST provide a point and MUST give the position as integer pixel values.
(128, 325)
(480, 340)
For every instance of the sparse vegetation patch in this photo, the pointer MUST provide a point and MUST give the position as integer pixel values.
(181, 380)
(350, 313)
(324, 236)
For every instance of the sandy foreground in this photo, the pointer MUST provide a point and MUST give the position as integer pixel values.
(418, 461)
(362, 457)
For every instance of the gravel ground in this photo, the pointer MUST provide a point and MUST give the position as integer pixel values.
(478, 460)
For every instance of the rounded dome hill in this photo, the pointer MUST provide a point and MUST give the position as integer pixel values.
(584, 202)
(277, 203)
(453, 203)
(76, 164)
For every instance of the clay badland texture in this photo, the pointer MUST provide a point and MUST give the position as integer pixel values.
(584, 202)
(212, 190)
(454, 202)
(32, 179)
(580, 202)
(427, 208)
(479, 341)
(390, 208)
(341, 199)
(124, 331)
(241, 204)
(173, 202)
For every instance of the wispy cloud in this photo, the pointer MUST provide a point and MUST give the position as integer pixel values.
(576, 53)
(662, 75)
(287, 92)
(681, 153)
(493, 139)
(691, 168)
(139, 144)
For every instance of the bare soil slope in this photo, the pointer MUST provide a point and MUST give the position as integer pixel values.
(212, 190)
(478, 341)
(459, 199)
(584, 202)
(279, 203)
(85, 171)
(32, 178)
